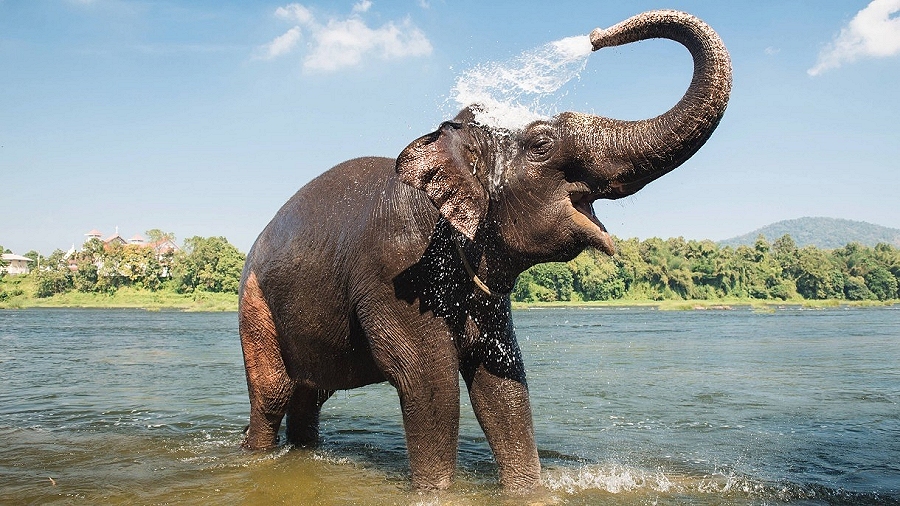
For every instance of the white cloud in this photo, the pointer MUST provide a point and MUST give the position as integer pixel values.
(345, 43)
(363, 6)
(340, 43)
(874, 32)
(282, 44)
(294, 12)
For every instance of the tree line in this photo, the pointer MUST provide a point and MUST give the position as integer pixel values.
(208, 264)
(676, 269)
(653, 269)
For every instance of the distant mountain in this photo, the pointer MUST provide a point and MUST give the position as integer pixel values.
(824, 233)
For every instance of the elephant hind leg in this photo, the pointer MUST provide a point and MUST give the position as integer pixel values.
(303, 415)
(268, 383)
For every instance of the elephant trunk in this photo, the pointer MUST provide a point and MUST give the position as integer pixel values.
(627, 155)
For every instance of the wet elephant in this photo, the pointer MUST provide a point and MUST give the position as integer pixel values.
(400, 270)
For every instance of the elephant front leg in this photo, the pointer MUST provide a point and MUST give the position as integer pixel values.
(416, 353)
(502, 407)
(430, 408)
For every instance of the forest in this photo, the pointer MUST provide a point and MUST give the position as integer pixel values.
(650, 270)
(676, 269)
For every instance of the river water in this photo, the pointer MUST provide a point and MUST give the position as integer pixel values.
(631, 406)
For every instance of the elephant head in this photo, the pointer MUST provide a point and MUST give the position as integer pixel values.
(528, 194)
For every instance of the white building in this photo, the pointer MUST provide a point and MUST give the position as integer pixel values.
(17, 264)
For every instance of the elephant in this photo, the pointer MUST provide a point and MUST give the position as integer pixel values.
(400, 270)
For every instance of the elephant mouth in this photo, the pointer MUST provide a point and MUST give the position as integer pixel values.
(586, 220)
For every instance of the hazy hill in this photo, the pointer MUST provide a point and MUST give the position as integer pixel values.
(824, 233)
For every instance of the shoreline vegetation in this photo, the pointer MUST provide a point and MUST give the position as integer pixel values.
(163, 300)
(671, 274)
(136, 298)
(123, 298)
(708, 304)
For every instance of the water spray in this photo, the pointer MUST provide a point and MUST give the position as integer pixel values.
(513, 93)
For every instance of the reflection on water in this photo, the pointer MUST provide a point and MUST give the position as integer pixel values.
(631, 406)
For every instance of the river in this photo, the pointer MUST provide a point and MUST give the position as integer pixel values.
(631, 406)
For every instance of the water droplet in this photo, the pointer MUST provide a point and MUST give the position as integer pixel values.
(511, 93)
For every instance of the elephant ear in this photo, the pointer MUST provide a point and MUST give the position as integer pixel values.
(441, 164)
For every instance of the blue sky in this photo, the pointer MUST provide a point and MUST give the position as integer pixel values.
(203, 117)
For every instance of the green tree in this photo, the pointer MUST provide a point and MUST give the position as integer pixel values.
(656, 257)
(527, 290)
(54, 276)
(596, 277)
(889, 256)
(764, 279)
(156, 235)
(816, 276)
(140, 266)
(872, 267)
(520, 291)
(729, 271)
(108, 260)
(881, 282)
(51, 282)
(92, 250)
(57, 260)
(681, 282)
(855, 289)
(556, 277)
(209, 264)
(785, 251)
(704, 259)
(37, 260)
(631, 268)
(85, 277)
(3, 263)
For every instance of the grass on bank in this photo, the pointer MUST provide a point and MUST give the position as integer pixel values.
(19, 292)
(709, 304)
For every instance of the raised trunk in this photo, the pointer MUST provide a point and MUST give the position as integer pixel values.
(626, 155)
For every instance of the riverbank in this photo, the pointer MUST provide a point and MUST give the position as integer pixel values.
(707, 304)
(18, 296)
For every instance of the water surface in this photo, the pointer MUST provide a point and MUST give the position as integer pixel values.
(631, 406)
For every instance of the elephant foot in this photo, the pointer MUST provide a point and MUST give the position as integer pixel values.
(521, 476)
(522, 486)
(262, 433)
(255, 444)
(304, 437)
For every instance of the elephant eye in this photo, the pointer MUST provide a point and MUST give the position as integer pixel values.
(540, 147)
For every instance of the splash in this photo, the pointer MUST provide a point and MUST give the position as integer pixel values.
(626, 479)
(512, 94)
(614, 479)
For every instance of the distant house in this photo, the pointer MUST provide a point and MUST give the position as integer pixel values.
(114, 239)
(17, 264)
(162, 247)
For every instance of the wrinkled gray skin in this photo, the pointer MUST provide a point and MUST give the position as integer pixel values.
(359, 279)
